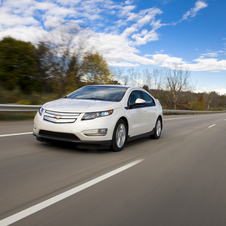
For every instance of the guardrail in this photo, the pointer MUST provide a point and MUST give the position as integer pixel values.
(34, 108)
(189, 112)
(18, 108)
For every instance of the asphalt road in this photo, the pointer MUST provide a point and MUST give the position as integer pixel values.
(178, 180)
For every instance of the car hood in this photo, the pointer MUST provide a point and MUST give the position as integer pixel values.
(79, 105)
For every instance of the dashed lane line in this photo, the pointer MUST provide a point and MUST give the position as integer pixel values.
(212, 126)
(15, 134)
(27, 212)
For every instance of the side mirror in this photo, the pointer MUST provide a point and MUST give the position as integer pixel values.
(138, 102)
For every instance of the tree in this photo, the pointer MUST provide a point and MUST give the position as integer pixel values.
(43, 64)
(95, 69)
(157, 79)
(212, 100)
(199, 103)
(62, 56)
(18, 66)
(177, 83)
(66, 62)
(147, 78)
(134, 77)
(118, 75)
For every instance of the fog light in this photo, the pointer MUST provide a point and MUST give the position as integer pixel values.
(34, 126)
(95, 132)
(103, 132)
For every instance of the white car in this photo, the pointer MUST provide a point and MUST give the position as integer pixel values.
(102, 116)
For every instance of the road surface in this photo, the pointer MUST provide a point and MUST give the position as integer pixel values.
(178, 180)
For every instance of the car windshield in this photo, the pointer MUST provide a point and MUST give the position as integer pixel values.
(106, 93)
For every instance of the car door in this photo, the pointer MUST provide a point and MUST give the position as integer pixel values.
(151, 115)
(137, 116)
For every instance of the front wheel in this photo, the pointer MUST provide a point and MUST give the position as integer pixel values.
(119, 136)
(157, 129)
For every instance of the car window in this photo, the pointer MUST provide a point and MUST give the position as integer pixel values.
(106, 93)
(133, 96)
(149, 100)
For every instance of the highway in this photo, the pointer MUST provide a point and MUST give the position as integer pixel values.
(178, 180)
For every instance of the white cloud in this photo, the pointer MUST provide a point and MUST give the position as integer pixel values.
(213, 89)
(128, 2)
(53, 21)
(122, 64)
(129, 30)
(145, 37)
(219, 91)
(68, 2)
(210, 54)
(24, 33)
(143, 18)
(60, 11)
(126, 10)
(193, 12)
(8, 20)
(19, 20)
(210, 64)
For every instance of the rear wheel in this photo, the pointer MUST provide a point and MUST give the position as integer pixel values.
(119, 136)
(157, 129)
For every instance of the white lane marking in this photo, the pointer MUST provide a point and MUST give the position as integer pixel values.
(212, 125)
(24, 213)
(15, 134)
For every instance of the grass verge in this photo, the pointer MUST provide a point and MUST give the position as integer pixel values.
(8, 116)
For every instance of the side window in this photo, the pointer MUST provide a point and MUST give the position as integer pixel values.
(133, 96)
(148, 99)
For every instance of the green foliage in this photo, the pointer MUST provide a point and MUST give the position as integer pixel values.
(16, 116)
(19, 97)
(49, 67)
(145, 87)
(18, 66)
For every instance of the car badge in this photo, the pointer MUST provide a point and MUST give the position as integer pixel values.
(58, 116)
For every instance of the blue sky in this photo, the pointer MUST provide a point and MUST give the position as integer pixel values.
(142, 34)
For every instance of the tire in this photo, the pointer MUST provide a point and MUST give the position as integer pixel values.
(119, 136)
(157, 129)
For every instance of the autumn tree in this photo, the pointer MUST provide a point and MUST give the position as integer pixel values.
(199, 103)
(95, 69)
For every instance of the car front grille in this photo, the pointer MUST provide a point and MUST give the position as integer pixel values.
(60, 117)
(56, 135)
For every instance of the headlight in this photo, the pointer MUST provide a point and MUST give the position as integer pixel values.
(93, 115)
(41, 110)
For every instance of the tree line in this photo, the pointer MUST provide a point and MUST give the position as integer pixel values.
(58, 64)
(172, 87)
(61, 63)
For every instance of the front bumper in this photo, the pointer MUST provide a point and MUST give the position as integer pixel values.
(64, 137)
(75, 132)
